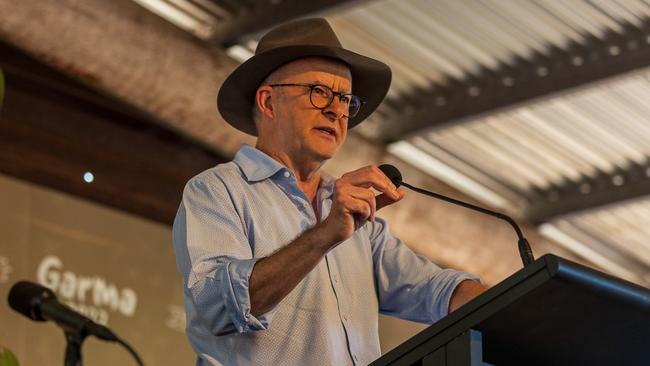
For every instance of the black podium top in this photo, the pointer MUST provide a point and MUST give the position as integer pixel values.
(553, 312)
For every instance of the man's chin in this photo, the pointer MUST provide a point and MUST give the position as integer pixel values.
(322, 150)
(324, 154)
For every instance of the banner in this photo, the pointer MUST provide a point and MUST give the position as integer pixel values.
(115, 268)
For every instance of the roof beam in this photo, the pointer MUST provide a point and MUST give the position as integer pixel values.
(590, 193)
(526, 80)
(254, 16)
(54, 130)
(126, 51)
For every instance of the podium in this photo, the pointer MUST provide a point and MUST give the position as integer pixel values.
(553, 312)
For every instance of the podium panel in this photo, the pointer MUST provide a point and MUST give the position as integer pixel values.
(553, 312)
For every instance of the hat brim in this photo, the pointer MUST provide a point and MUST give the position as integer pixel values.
(370, 81)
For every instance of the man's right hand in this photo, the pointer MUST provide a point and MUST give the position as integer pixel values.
(354, 201)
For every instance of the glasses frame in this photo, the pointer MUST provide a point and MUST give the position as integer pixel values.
(334, 94)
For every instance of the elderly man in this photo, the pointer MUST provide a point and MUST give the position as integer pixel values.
(282, 264)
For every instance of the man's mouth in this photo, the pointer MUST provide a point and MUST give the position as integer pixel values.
(327, 130)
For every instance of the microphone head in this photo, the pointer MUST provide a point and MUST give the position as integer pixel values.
(26, 298)
(392, 173)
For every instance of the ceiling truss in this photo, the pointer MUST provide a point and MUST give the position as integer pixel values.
(603, 189)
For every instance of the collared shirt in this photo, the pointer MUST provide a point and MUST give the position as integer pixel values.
(237, 213)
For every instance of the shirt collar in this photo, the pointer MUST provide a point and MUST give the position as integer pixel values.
(258, 166)
(255, 164)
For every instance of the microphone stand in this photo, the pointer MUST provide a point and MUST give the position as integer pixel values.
(525, 252)
(74, 339)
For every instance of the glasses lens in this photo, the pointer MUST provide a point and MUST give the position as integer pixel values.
(354, 106)
(321, 96)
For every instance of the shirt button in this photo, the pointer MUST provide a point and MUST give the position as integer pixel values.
(287, 174)
(305, 205)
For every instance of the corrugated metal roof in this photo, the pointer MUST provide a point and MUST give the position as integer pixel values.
(614, 237)
(598, 130)
(508, 159)
(427, 41)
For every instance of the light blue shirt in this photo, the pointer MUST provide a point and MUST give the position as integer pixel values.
(236, 213)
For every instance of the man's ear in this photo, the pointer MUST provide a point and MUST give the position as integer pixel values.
(263, 100)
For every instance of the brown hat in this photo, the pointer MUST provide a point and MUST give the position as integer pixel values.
(288, 42)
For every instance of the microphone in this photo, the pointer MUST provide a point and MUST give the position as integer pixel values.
(40, 304)
(525, 252)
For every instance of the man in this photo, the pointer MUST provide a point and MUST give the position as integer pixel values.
(282, 264)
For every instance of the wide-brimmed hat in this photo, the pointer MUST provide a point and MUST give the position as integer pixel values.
(288, 42)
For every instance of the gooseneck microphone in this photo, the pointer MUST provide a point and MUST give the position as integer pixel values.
(40, 304)
(525, 252)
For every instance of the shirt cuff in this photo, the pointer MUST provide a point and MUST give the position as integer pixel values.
(237, 297)
(452, 279)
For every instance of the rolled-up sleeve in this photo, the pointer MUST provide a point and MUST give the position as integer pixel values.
(410, 286)
(215, 259)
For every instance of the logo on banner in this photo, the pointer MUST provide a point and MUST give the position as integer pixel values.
(92, 296)
(5, 269)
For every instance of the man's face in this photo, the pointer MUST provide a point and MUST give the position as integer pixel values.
(301, 129)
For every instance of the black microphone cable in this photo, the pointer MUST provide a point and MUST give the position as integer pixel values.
(132, 351)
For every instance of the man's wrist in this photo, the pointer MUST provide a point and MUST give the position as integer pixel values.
(464, 292)
(323, 237)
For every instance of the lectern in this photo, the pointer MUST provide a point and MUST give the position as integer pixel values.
(553, 312)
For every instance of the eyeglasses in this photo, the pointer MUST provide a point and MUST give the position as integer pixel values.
(321, 96)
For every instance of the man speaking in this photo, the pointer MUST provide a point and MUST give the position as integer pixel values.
(281, 263)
